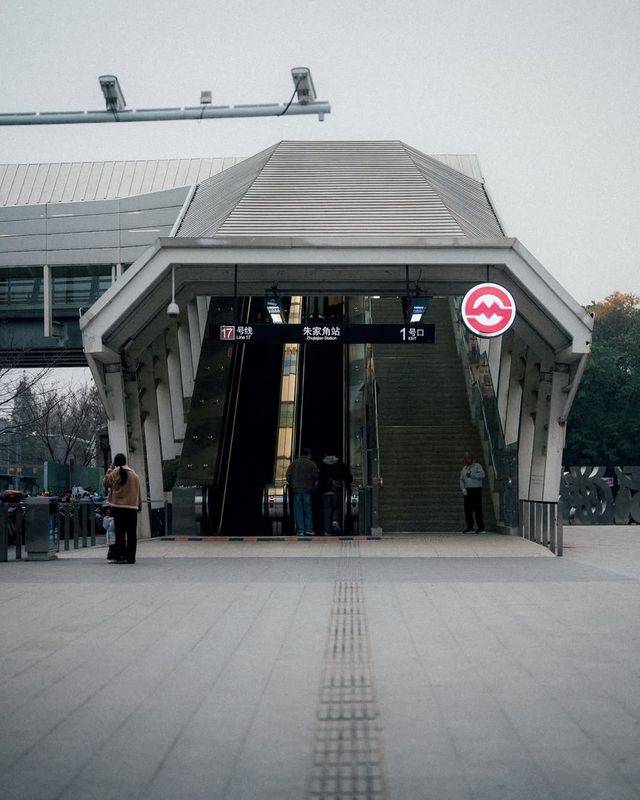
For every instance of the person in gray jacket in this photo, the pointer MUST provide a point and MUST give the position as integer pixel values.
(471, 479)
(302, 477)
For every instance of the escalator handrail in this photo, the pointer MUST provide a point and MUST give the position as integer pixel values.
(230, 428)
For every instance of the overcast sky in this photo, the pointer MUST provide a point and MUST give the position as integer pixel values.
(545, 92)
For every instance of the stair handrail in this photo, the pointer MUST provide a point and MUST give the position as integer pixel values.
(229, 431)
(373, 482)
(482, 397)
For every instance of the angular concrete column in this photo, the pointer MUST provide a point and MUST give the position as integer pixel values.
(195, 334)
(163, 399)
(135, 438)
(151, 427)
(202, 304)
(527, 423)
(493, 356)
(504, 377)
(187, 374)
(555, 434)
(539, 444)
(517, 368)
(174, 377)
(116, 412)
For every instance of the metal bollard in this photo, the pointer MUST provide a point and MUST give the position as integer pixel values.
(41, 527)
(92, 523)
(20, 514)
(4, 532)
(76, 526)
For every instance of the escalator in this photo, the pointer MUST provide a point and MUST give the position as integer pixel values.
(246, 461)
(278, 400)
(322, 423)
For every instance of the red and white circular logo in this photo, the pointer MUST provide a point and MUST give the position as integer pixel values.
(488, 310)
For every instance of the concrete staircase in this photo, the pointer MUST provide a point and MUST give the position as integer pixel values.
(425, 426)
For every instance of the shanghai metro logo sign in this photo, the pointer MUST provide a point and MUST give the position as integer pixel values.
(488, 310)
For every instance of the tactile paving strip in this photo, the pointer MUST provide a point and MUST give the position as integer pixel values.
(347, 758)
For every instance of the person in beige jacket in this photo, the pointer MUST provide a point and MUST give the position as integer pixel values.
(123, 486)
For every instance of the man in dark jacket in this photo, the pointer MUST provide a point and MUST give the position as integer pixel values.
(334, 479)
(302, 477)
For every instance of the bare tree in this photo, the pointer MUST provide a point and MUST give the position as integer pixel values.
(14, 386)
(17, 414)
(65, 421)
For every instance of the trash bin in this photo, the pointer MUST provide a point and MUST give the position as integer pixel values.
(41, 528)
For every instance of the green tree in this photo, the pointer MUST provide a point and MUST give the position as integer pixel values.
(604, 423)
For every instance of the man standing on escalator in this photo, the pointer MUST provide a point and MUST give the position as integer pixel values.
(335, 478)
(302, 477)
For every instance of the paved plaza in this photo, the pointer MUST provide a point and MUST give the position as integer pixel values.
(440, 667)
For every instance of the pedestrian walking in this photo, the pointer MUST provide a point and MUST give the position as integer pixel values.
(471, 478)
(302, 477)
(123, 486)
(334, 478)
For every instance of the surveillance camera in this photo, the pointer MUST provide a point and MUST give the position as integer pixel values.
(304, 85)
(173, 311)
(112, 93)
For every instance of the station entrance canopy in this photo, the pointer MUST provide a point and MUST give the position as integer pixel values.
(341, 218)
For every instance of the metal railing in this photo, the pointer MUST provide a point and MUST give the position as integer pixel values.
(541, 522)
(79, 524)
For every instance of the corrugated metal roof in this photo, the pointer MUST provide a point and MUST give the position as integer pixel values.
(215, 198)
(301, 189)
(32, 184)
(464, 196)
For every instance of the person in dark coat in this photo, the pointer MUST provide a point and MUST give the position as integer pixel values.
(471, 478)
(335, 478)
(302, 477)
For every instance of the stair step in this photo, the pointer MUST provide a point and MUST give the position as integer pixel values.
(425, 426)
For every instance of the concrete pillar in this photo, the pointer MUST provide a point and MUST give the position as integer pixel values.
(187, 373)
(504, 378)
(195, 334)
(135, 439)
(174, 377)
(202, 304)
(493, 356)
(555, 433)
(117, 413)
(163, 397)
(151, 427)
(527, 424)
(47, 295)
(514, 392)
(539, 444)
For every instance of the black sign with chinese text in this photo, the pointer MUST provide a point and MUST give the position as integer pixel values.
(330, 332)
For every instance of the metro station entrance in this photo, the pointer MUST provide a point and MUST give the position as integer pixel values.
(386, 409)
(339, 232)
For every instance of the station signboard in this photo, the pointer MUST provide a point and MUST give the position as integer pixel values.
(344, 334)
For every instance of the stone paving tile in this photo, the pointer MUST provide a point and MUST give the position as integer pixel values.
(499, 670)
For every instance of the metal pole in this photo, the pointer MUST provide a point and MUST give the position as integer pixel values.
(92, 524)
(156, 114)
(4, 532)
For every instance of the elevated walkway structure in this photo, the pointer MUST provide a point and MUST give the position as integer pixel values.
(67, 231)
(347, 220)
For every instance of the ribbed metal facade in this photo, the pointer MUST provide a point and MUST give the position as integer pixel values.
(96, 232)
(29, 184)
(315, 189)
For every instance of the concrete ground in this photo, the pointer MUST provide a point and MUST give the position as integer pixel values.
(418, 667)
